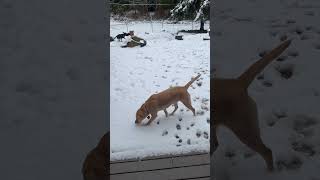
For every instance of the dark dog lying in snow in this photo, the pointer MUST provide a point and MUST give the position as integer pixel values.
(163, 100)
(235, 109)
(122, 36)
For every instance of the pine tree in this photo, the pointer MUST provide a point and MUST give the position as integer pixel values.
(191, 9)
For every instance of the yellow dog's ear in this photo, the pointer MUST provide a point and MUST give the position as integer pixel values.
(144, 106)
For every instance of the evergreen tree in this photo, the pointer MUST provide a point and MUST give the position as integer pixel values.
(191, 9)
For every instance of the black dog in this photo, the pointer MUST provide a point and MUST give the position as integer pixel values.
(122, 36)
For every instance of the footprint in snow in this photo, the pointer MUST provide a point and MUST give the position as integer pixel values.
(276, 116)
(260, 77)
(293, 53)
(271, 121)
(263, 53)
(267, 83)
(306, 37)
(66, 37)
(291, 21)
(309, 28)
(315, 92)
(314, 178)
(283, 37)
(200, 112)
(282, 58)
(305, 148)
(205, 135)
(299, 31)
(273, 33)
(290, 163)
(198, 133)
(165, 132)
(199, 84)
(189, 141)
(317, 46)
(309, 13)
(304, 121)
(147, 57)
(204, 100)
(248, 154)
(280, 113)
(204, 107)
(307, 133)
(230, 154)
(285, 70)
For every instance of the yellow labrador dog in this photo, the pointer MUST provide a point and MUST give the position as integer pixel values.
(95, 163)
(235, 109)
(163, 100)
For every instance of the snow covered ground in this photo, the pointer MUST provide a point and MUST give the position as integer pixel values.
(137, 73)
(287, 94)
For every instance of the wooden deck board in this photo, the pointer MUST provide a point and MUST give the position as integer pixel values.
(190, 166)
(163, 174)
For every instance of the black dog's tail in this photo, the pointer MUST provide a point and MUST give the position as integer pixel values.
(248, 76)
(144, 43)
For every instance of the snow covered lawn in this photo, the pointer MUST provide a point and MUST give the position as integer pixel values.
(137, 73)
(287, 93)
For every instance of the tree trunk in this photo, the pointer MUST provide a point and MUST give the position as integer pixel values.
(201, 25)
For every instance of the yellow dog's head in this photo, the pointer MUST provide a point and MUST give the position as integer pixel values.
(142, 113)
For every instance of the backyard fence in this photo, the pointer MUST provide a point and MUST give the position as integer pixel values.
(145, 10)
(139, 9)
(155, 26)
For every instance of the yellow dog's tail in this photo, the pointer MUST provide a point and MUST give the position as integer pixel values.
(190, 82)
(248, 76)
